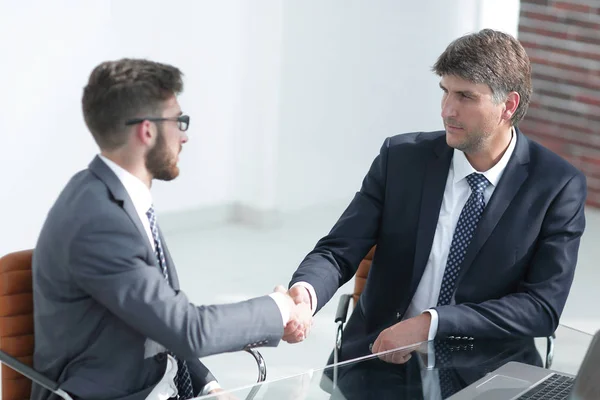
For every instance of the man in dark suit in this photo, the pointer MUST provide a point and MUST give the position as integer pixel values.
(477, 227)
(110, 319)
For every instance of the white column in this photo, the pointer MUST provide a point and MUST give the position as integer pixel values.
(256, 120)
(502, 15)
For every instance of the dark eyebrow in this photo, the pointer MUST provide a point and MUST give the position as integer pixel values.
(442, 87)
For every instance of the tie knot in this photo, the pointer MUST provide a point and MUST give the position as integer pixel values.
(478, 182)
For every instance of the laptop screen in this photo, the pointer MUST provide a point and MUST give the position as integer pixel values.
(587, 383)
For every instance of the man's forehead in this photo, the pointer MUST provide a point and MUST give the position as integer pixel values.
(456, 83)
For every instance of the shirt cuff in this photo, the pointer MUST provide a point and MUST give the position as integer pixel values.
(212, 385)
(433, 327)
(312, 294)
(283, 305)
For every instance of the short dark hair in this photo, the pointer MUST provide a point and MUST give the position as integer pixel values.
(124, 89)
(494, 58)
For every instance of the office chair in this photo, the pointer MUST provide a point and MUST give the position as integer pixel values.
(360, 282)
(16, 331)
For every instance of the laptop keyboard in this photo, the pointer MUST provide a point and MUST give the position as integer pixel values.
(556, 387)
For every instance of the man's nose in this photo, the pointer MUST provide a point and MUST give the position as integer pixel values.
(448, 108)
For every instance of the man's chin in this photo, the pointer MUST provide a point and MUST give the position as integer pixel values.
(167, 175)
(453, 141)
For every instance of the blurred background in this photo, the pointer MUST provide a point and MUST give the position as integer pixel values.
(290, 101)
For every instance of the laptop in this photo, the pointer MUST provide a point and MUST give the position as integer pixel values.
(518, 381)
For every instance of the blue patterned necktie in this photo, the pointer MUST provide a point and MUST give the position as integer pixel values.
(183, 381)
(467, 222)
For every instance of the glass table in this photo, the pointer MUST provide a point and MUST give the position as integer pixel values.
(434, 370)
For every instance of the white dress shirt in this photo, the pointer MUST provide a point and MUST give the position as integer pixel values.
(456, 193)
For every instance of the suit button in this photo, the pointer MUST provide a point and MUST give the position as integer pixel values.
(160, 357)
(398, 315)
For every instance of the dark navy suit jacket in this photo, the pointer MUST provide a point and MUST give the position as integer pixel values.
(519, 266)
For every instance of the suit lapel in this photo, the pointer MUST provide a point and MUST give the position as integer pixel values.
(514, 175)
(434, 184)
(119, 194)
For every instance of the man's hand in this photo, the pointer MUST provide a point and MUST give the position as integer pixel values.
(300, 294)
(406, 333)
(300, 322)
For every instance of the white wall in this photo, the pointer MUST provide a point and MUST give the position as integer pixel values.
(47, 50)
(290, 100)
(355, 72)
(52, 49)
(257, 110)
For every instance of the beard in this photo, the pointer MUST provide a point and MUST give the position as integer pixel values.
(472, 142)
(161, 164)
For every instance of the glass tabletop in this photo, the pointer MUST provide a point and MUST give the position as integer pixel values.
(429, 370)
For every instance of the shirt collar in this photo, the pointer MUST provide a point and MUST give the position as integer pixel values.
(462, 167)
(136, 189)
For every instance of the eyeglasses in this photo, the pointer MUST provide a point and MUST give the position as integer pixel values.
(183, 121)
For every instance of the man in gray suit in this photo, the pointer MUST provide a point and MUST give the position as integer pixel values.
(110, 319)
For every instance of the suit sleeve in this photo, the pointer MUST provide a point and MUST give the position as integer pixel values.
(107, 261)
(336, 257)
(535, 309)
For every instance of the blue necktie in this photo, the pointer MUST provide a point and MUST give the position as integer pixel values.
(467, 222)
(183, 381)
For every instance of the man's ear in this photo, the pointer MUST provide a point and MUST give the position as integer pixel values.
(510, 105)
(145, 133)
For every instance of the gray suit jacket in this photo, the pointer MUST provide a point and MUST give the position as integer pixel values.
(104, 314)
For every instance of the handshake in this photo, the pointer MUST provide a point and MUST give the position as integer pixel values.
(300, 321)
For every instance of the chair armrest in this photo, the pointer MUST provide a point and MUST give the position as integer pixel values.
(342, 310)
(33, 375)
(41, 380)
(340, 320)
(260, 363)
(550, 350)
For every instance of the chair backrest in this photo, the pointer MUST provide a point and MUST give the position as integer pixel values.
(361, 274)
(16, 321)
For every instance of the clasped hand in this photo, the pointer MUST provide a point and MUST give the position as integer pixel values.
(300, 322)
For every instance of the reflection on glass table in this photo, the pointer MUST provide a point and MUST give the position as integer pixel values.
(430, 370)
